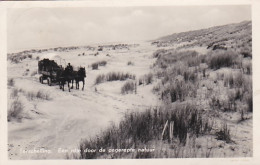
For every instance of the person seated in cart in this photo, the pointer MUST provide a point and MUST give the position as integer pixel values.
(69, 67)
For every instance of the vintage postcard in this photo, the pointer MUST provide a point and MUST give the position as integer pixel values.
(130, 81)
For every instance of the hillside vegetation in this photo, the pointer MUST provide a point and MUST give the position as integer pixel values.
(184, 95)
(206, 101)
(237, 37)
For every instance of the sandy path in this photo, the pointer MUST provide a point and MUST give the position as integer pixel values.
(63, 121)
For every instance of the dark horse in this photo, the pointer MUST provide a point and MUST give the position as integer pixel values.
(66, 76)
(80, 76)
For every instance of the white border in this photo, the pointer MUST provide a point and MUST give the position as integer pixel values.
(255, 160)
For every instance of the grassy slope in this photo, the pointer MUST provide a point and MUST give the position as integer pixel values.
(237, 37)
(206, 98)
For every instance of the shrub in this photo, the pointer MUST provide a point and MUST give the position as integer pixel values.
(15, 110)
(239, 94)
(15, 60)
(42, 95)
(178, 74)
(214, 103)
(37, 58)
(128, 87)
(130, 63)
(94, 66)
(222, 59)
(100, 79)
(247, 53)
(224, 134)
(179, 90)
(236, 80)
(14, 93)
(158, 53)
(138, 128)
(146, 79)
(114, 76)
(247, 67)
(231, 102)
(204, 72)
(31, 95)
(193, 59)
(228, 80)
(249, 102)
(38, 95)
(173, 56)
(190, 76)
(100, 63)
(10, 82)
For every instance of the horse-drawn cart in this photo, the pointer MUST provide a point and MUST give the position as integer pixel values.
(54, 73)
(49, 71)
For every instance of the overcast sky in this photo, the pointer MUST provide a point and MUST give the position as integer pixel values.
(51, 27)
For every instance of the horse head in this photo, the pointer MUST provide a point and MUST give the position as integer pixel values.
(82, 72)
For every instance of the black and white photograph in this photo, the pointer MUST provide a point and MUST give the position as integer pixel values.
(129, 82)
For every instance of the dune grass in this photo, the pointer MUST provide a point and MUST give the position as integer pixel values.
(113, 76)
(15, 110)
(97, 64)
(129, 87)
(139, 129)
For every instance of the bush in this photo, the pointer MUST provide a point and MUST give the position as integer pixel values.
(247, 67)
(224, 134)
(102, 63)
(128, 87)
(146, 79)
(15, 110)
(14, 93)
(246, 52)
(179, 90)
(130, 63)
(173, 56)
(114, 76)
(15, 60)
(222, 59)
(31, 95)
(236, 80)
(94, 66)
(249, 102)
(10, 82)
(231, 102)
(100, 79)
(42, 95)
(214, 103)
(158, 53)
(38, 95)
(179, 74)
(138, 128)
(190, 76)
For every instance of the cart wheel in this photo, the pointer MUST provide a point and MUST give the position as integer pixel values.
(49, 81)
(40, 79)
